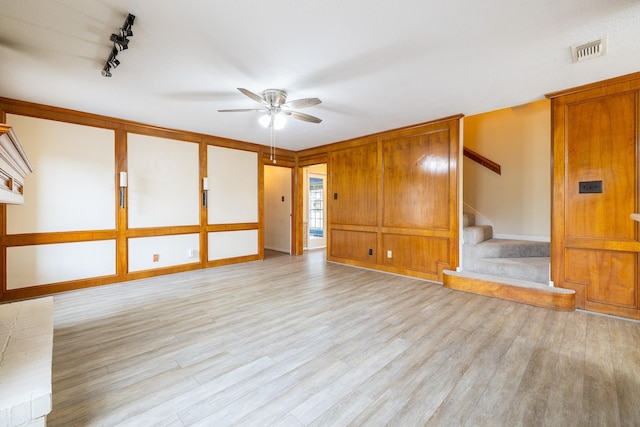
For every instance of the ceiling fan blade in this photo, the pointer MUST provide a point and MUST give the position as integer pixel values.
(253, 96)
(302, 116)
(303, 103)
(239, 110)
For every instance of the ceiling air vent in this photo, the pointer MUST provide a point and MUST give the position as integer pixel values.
(589, 50)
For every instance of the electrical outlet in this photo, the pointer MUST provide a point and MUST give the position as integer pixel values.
(156, 257)
(389, 254)
(590, 187)
(191, 253)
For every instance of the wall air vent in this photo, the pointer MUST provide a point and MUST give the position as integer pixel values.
(589, 50)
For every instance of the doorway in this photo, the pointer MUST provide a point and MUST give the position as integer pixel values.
(277, 208)
(315, 212)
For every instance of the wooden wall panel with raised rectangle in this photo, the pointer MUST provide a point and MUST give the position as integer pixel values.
(609, 276)
(400, 190)
(357, 246)
(594, 242)
(429, 255)
(601, 147)
(416, 179)
(354, 184)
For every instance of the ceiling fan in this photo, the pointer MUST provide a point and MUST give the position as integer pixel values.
(274, 102)
(275, 106)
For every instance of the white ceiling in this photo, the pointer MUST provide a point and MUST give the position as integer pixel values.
(376, 64)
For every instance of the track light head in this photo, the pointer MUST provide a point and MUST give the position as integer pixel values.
(129, 21)
(120, 42)
(106, 71)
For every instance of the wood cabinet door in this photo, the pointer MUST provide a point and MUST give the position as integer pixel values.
(595, 243)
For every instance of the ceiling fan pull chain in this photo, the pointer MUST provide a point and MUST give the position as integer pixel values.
(273, 143)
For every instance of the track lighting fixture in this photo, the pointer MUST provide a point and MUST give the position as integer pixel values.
(120, 43)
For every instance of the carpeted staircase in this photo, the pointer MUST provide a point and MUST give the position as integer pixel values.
(516, 259)
(515, 270)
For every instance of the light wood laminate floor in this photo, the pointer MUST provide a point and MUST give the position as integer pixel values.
(296, 341)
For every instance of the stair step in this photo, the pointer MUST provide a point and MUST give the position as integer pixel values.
(508, 248)
(533, 269)
(521, 291)
(468, 219)
(476, 234)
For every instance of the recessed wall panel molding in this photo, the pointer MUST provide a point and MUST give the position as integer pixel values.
(148, 253)
(233, 185)
(73, 164)
(163, 182)
(394, 200)
(59, 262)
(231, 244)
(595, 191)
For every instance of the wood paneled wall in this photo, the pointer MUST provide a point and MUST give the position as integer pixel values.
(595, 244)
(122, 232)
(395, 191)
(394, 199)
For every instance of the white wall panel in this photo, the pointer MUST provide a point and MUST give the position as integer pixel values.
(172, 250)
(230, 244)
(73, 183)
(164, 188)
(233, 185)
(60, 262)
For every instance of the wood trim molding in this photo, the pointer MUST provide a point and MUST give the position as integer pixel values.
(133, 233)
(214, 228)
(11, 240)
(204, 209)
(122, 249)
(319, 152)
(532, 296)
(612, 81)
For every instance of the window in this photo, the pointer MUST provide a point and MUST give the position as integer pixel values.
(316, 207)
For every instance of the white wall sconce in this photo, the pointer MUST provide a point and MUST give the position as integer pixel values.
(205, 191)
(123, 185)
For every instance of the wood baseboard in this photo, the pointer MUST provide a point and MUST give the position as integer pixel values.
(552, 298)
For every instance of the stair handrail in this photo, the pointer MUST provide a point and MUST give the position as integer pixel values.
(482, 160)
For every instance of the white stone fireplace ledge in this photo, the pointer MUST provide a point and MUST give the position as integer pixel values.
(26, 345)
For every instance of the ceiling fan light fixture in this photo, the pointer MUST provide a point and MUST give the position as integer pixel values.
(275, 108)
(278, 120)
(265, 120)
